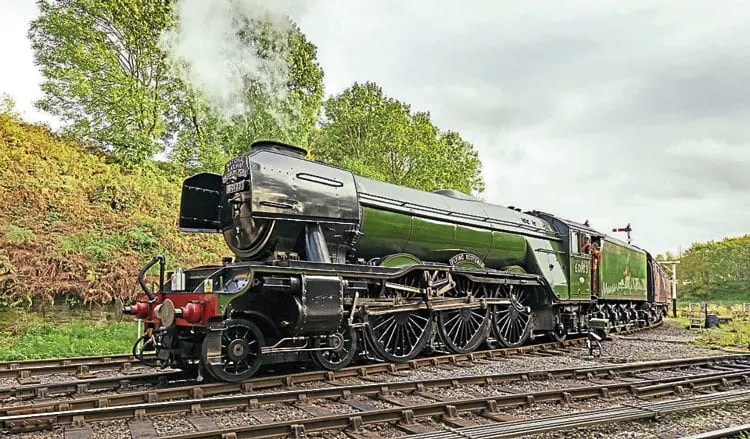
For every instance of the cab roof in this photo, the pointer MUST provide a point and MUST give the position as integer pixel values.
(583, 227)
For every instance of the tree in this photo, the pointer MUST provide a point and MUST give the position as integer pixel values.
(206, 139)
(8, 105)
(105, 75)
(717, 268)
(379, 137)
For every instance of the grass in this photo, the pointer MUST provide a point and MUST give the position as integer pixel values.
(683, 322)
(24, 336)
(723, 309)
(716, 297)
(731, 335)
(735, 334)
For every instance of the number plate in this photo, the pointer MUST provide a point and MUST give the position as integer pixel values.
(236, 187)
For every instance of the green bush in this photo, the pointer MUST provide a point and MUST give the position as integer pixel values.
(142, 240)
(16, 235)
(98, 248)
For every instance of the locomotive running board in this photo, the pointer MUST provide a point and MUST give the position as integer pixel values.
(484, 275)
(377, 307)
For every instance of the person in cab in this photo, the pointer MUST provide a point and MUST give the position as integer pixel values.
(596, 256)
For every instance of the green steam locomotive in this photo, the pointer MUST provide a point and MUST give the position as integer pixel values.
(329, 266)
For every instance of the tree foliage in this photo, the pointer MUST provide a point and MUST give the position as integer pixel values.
(380, 137)
(716, 268)
(104, 73)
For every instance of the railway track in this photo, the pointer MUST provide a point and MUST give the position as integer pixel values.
(80, 366)
(119, 383)
(84, 369)
(141, 376)
(85, 386)
(406, 415)
(599, 417)
(720, 370)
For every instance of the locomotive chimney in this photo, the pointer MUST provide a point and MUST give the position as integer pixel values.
(279, 147)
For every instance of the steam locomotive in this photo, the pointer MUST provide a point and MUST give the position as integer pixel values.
(329, 266)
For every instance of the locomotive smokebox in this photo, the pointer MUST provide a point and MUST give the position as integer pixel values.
(273, 191)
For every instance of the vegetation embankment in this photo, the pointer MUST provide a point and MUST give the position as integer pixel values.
(75, 224)
(713, 296)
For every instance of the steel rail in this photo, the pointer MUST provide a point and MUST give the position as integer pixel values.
(4, 365)
(82, 386)
(450, 409)
(18, 420)
(724, 432)
(596, 417)
(79, 365)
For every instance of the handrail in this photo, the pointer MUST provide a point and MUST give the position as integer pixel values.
(142, 281)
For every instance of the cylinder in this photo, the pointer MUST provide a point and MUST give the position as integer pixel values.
(315, 244)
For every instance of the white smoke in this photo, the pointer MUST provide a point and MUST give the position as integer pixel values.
(219, 63)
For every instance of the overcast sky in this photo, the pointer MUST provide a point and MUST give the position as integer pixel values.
(616, 112)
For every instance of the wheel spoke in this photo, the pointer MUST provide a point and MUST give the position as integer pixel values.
(388, 319)
(337, 359)
(402, 337)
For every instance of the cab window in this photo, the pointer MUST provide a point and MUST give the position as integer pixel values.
(580, 242)
(585, 243)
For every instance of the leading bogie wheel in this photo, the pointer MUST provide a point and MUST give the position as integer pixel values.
(240, 354)
(340, 356)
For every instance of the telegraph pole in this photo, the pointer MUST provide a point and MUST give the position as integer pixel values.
(674, 284)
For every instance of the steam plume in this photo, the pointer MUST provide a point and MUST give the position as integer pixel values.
(221, 60)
